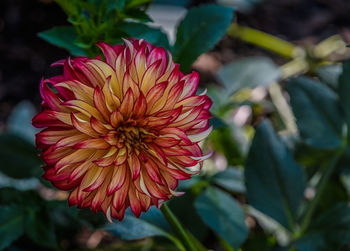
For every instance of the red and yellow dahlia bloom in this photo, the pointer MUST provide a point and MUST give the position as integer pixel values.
(121, 131)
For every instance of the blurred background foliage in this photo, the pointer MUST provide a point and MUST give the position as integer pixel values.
(280, 83)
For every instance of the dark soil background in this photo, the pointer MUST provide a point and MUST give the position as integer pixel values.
(25, 58)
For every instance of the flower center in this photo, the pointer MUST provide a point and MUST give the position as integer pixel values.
(130, 136)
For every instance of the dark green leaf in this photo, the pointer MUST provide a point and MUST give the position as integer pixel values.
(311, 157)
(231, 179)
(152, 35)
(330, 231)
(217, 123)
(223, 215)
(344, 90)
(334, 193)
(39, 227)
(248, 73)
(18, 158)
(64, 37)
(151, 223)
(11, 224)
(36, 220)
(115, 4)
(137, 14)
(190, 183)
(258, 240)
(25, 199)
(275, 182)
(317, 113)
(199, 31)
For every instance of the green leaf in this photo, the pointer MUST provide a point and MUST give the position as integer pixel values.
(136, 14)
(11, 224)
(248, 73)
(69, 7)
(18, 158)
(199, 31)
(331, 231)
(115, 4)
(25, 199)
(64, 37)
(344, 90)
(39, 227)
(258, 240)
(149, 224)
(231, 142)
(136, 3)
(223, 215)
(317, 113)
(329, 74)
(220, 98)
(152, 35)
(231, 179)
(275, 182)
(20, 121)
(37, 223)
(269, 226)
(311, 157)
(217, 123)
(335, 192)
(185, 211)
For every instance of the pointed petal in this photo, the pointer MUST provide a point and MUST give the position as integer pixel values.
(200, 136)
(134, 165)
(100, 103)
(140, 107)
(83, 126)
(117, 179)
(92, 144)
(121, 194)
(108, 52)
(154, 94)
(84, 108)
(149, 77)
(116, 118)
(190, 86)
(127, 105)
(135, 204)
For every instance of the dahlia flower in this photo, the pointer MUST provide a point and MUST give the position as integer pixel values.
(121, 131)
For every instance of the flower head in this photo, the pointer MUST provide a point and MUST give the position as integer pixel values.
(121, 131)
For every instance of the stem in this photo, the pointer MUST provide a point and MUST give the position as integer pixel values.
(177, 242)
(177, 227)
(266, 41)
(321, 188)
(329, 46)
(294, 67)
(283, 108)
